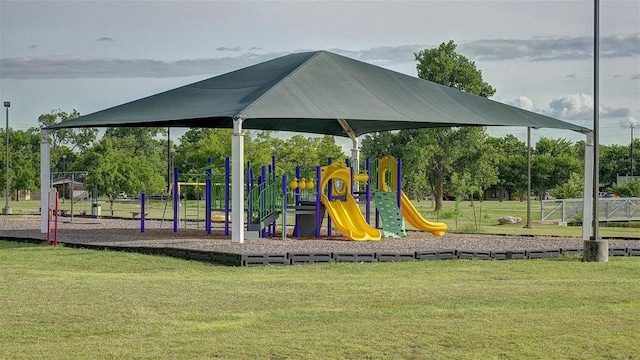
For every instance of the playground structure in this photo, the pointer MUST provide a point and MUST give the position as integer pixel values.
(308, 195)
(334, 189)
(217, 185)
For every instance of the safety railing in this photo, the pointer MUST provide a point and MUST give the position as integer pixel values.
(609, 209)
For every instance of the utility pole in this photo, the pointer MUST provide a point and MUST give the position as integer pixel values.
(596, 249)
(7, 210)
(632, 125)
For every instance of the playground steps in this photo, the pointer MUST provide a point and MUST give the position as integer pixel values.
(257, 225)
(392, 219)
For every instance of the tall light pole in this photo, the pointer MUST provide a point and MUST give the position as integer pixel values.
(632, 124)
(7, 210)
(596, 249)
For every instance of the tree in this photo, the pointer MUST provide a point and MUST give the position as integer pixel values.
(306, 152)
(24, 147)
(553, 163)
(614, 160)
(570, 189)
(74, 139)
(630, 188)
(198, 145)
(139, 141)
(511, 156)
(112, 169)
(444, 66)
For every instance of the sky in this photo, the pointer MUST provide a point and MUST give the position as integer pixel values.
(91, 55)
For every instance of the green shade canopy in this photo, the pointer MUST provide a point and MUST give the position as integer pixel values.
(309, 92)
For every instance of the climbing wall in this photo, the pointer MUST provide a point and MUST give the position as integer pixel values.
(392, 220)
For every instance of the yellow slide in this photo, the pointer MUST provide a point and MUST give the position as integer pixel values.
(346, 215)
(414, 218)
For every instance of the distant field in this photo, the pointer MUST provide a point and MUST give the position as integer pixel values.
(483, 214)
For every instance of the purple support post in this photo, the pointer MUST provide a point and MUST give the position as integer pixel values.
(263, 201)
(330, 197)
(142, 212)
(284, 206)
(227, 194)
(176, 200)
(296, 201)
(367, 195)
(272, 174)
(379, 185)
(318, 212)
(273, 163)
(262, 183)
(207, 199)
(399, 183)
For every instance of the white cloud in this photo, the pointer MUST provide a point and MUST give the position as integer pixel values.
(580, 107)
(523, 102)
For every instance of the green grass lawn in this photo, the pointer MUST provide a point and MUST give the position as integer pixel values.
(61, 303)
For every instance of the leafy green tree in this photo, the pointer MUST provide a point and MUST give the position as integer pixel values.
(630, 188)
(138, 141)
(72, 139)
(24, 158)
(570, 189)
(402, 145)
(112, 169)
(306, 152)
(553, 163)
(197, 145)
(614, 160)
(258, 148)
(444, 66)
(147, 144)
(511, 155)
(380, 144)
(459, 185)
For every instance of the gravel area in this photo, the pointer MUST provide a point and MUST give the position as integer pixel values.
(117, 232)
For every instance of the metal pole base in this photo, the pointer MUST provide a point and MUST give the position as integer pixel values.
(7, 210)
(596, 251)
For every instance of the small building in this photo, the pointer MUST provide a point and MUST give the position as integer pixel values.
(65, 186)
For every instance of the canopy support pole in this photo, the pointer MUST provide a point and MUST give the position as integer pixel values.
(237, 176)
(588, 187)
(45, 178)
(528, 225)
(355, 151)
(355, 156)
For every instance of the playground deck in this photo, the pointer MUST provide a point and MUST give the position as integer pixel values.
(195, 244)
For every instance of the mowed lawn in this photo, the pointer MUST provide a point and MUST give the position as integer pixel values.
(61, 303)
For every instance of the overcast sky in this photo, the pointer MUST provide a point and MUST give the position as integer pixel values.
(90, 55)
